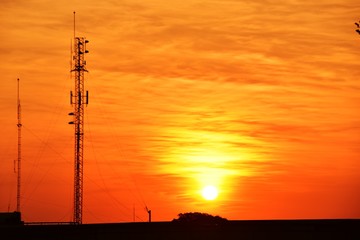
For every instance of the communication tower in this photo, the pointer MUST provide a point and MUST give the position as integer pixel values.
(78, 99)
(19, 125)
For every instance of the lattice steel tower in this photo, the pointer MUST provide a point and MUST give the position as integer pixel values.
(19, 125)
(78, 99)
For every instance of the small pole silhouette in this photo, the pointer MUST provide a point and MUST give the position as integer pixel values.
(149, 213)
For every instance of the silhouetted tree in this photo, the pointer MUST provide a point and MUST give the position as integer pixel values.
(199, 218)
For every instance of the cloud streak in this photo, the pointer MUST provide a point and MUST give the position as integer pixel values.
(257, 97)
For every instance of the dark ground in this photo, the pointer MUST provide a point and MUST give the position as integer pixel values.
(255, 229)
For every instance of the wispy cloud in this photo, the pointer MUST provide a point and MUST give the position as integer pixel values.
(251, 95)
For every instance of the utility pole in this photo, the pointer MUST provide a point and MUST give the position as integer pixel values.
(149, 213)
(19, 125)
(78, 99)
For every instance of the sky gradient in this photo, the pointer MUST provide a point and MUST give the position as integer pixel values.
(258, 98)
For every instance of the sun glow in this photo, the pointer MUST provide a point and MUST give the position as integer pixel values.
(209, 192)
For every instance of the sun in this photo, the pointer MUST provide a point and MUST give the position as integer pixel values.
(209, 192)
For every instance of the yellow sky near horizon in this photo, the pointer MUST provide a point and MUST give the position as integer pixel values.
(259, 98)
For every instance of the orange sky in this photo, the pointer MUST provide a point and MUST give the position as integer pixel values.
(259, 98)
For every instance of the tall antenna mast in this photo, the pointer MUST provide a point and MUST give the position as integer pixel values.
(18, 195)
(74, 24)
(78, 99)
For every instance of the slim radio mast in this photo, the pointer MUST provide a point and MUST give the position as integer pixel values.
(19, 149)
(78, 99)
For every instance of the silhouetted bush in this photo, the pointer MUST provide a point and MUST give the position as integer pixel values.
(199, 218)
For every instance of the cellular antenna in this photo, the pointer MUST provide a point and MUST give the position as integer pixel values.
(358, 27)
(78, 99)
(18, 195)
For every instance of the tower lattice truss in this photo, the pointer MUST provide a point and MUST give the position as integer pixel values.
(79, 98)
